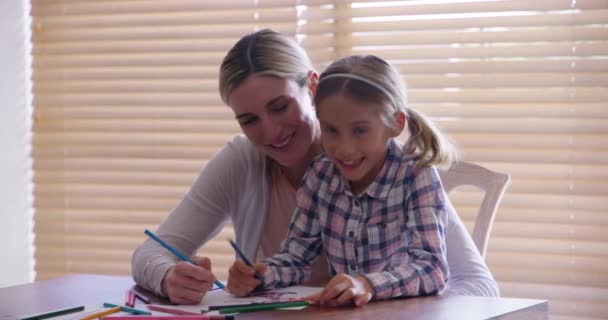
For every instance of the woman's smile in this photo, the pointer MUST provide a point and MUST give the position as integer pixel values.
(284, 141)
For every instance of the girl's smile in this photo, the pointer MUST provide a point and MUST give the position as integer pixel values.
(350, 165)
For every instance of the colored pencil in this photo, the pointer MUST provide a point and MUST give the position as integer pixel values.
(244, 258)
(218, 307)
(130, 299)
(54, 313)
(127, 309)
(266, 306)
(197, 317)
(176, 252)
(101, 314)
(172, 311)
(141, 296)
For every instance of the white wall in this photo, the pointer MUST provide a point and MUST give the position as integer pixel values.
(16, 238)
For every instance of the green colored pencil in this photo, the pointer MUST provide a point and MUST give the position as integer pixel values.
(265, 306)
(55, 313)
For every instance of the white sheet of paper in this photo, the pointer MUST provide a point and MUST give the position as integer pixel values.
(221, 297)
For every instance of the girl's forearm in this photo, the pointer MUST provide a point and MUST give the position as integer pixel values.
(412, 279)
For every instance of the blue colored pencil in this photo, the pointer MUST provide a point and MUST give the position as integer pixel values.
(127, 309)
(176, 253)
(244, 258)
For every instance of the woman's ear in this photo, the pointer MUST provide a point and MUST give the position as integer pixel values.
(400, 119)
(313, 81)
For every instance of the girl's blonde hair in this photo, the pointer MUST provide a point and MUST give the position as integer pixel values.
(265, 52)
(371, 79)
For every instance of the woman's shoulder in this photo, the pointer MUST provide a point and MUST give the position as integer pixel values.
(240, 149)
(240, 143)
(236, 160)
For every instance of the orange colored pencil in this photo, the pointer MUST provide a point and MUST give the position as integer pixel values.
(102, 313)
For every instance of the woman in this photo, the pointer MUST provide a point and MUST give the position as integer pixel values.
(268, 82)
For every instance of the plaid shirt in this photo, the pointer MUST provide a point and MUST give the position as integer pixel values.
(393, 234)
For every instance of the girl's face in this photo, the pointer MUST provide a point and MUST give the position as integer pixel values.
(354, 138)
(276, 114)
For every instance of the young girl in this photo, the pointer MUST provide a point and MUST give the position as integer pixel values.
(375, 207)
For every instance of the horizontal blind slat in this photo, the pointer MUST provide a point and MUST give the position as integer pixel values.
(487, 37)
(505, 20)
(487, 51)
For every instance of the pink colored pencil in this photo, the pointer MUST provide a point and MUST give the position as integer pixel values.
(174, 317)
(130, 300)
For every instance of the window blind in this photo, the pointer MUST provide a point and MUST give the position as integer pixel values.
(521, 86)
(128, 112)
(127, 109)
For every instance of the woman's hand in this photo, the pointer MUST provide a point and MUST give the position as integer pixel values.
(186, 283)
(344, 290)
(241, 278)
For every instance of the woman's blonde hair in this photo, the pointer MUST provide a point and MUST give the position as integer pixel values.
(373, 80)
(265, 52)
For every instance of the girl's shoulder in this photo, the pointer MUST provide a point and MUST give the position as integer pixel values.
(321, 164)
(319, 171)
(407, 164)
(418, 178)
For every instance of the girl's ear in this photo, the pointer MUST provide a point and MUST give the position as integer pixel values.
(313, 81)
(400, 119)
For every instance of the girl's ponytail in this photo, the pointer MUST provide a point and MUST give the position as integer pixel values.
(427, 143)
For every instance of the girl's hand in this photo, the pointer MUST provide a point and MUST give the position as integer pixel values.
(344, 290)
(186, 283)
(241, 278)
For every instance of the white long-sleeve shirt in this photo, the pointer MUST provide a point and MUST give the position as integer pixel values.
(234, 186)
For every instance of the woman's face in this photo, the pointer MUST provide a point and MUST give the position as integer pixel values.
(277, 115)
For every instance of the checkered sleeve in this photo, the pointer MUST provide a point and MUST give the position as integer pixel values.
(293, 263)
(426, 272)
